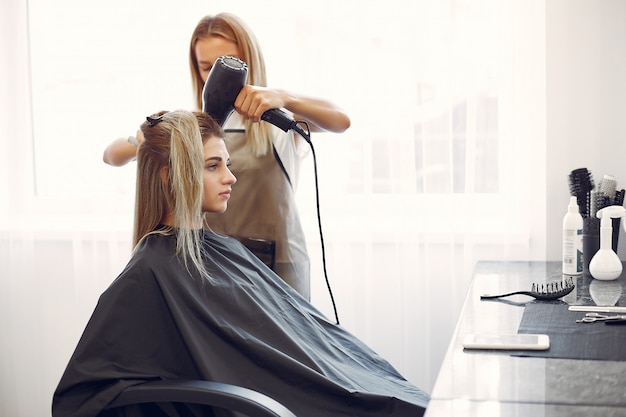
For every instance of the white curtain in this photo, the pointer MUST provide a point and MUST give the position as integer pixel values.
(440, 168)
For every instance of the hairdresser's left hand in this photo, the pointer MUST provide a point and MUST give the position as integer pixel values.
(253, 101)
(139, 136)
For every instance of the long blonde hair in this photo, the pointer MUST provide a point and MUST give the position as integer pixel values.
(170, 163)
(232, 28)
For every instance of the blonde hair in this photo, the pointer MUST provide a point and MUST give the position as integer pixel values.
(232, 28)
(170, 163)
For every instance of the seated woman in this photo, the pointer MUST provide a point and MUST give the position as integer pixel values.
(193, 304)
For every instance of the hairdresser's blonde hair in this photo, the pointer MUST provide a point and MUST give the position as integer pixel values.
(232, 28)
(170, 163)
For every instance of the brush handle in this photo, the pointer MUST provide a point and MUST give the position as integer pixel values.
(507, 294)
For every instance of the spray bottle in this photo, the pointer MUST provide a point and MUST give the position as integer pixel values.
(572, 239)
(605, 264)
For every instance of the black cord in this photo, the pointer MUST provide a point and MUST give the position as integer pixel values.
(306, 134)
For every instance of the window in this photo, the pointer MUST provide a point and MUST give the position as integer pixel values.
(422, 83)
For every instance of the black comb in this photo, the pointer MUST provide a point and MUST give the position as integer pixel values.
(550, 291)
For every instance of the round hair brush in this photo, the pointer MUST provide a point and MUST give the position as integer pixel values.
(580, 185)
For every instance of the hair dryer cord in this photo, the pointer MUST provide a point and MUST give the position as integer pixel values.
(306, 134)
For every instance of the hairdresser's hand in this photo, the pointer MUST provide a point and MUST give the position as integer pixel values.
(253, 101)
(122, 150)
(139, 136)
(320, 114)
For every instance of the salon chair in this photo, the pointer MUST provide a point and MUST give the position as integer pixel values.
(208, 393)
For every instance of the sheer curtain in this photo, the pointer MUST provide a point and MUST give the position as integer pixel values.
(440, 168)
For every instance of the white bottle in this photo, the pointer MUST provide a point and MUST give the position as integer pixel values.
(572, 240)
(605, 264)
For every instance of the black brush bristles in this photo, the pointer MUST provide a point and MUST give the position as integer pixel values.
(552, 289)
(580, 185)
(619, 197)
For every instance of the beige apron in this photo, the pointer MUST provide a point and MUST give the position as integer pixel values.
(263, 206)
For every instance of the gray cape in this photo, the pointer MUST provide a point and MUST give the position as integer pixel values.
(245, 327)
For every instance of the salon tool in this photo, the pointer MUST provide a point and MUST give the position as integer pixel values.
(593, 317)
(225, 81)
(550, 291)
(599, 309)
(580, 185)
(593, 203)
(605, 264)
(608, 186)
(619, 197)
(222, 86)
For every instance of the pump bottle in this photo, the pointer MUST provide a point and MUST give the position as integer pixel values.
(605, 264)
(572, 240)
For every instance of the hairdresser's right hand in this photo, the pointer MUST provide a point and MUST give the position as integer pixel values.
(252, 101)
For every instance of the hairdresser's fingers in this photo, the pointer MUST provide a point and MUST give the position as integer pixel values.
(252, 104)
(139, 136)
(243, 103)
(253, 101)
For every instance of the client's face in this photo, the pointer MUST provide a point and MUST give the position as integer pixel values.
(217, 179)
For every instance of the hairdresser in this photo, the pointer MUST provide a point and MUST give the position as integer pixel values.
(265, 160)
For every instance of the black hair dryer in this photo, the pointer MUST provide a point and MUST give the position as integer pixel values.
(225, 81)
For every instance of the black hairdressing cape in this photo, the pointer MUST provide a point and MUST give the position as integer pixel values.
(246, 327)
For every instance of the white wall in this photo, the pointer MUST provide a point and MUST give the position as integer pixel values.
(586, 101)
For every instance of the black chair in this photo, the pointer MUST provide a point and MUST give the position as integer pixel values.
(215, 394)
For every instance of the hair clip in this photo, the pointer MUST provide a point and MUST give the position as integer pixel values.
(152, 121)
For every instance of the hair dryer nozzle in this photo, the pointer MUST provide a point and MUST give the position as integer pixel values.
(225, 81)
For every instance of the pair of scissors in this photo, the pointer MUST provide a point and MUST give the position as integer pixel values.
(593, 317)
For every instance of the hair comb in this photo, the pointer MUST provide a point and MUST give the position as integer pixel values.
(550, 291)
